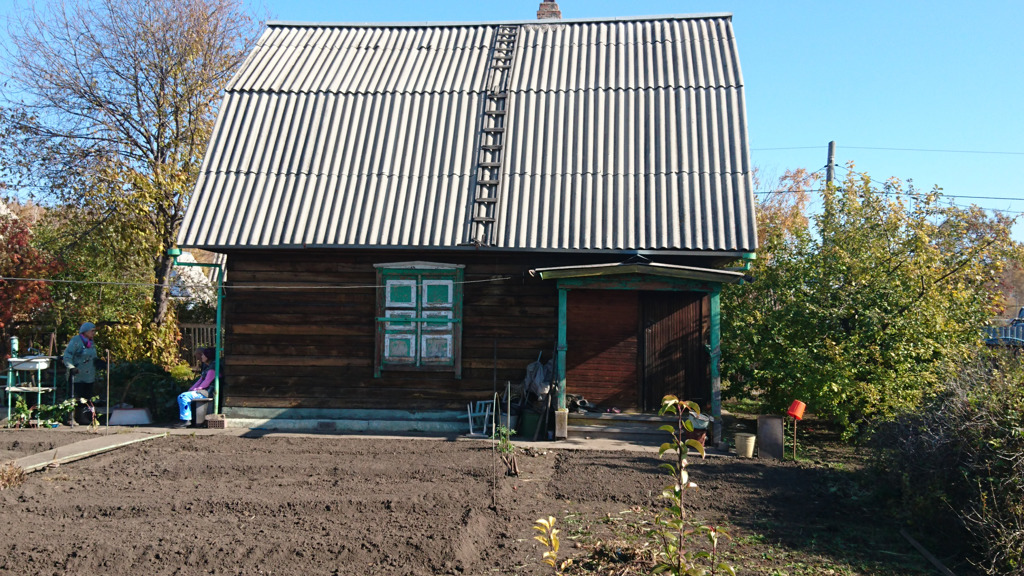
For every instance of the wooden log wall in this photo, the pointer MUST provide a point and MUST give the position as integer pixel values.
(289, 343)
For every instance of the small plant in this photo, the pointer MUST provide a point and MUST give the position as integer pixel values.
(57, 413)
(507, 449)
(672, 528)
(549, 538)
(11, 475)
(20, 413)
(90, 408)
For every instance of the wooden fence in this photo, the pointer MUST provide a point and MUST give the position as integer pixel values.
(194, 337)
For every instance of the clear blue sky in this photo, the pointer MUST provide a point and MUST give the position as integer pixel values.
(868, 74)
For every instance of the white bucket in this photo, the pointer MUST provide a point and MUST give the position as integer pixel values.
(745, 445)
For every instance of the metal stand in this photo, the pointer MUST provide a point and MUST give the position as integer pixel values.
(15, 366)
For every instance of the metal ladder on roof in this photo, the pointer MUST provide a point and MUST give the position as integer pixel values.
(492, 137)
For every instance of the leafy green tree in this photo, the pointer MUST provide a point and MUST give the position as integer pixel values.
(105, 279)
(110, 107)
(863, 311)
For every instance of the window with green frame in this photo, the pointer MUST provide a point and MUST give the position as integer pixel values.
(419, 317)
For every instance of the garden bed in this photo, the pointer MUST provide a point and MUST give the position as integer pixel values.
(322, 504)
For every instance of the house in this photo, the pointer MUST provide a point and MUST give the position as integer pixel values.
(411, 213)
(1010, 336)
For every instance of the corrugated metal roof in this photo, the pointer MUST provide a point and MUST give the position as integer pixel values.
(620, 135)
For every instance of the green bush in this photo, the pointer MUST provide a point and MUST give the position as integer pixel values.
(959, 461)
(145, 385)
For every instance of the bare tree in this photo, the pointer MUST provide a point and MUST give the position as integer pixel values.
(115, 103)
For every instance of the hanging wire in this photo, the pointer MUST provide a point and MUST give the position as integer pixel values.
(233, 287)
(891, 149)
(945, 195)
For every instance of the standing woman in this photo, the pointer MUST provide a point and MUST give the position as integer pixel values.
(80, 360)
(201, 389)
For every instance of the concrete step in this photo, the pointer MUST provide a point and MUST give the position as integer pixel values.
(624, 431)
(325, 420)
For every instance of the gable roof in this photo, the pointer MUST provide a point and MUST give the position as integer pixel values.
(623, 134)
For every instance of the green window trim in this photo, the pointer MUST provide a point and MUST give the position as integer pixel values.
(419, 317)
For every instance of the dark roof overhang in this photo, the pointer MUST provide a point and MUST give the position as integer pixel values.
(642, 269)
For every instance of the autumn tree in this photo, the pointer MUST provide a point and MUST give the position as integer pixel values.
(111, 104)
(862, 313)
(782, 209)
(1012, 287)
(20, 263)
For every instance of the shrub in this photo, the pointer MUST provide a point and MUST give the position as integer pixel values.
(959, 461)
(145, 385)
(58, 413)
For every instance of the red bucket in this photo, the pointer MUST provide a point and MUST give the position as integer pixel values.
(796, 409)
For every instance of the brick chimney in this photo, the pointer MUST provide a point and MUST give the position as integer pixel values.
(549, 11)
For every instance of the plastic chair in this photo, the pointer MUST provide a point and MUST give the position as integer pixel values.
(480, 414)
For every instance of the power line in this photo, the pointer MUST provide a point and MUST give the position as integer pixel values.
(231, 287)
(785, 148)
(950, 196)
(939, 150)
(943, 195)
(788, 191)
(893, 149)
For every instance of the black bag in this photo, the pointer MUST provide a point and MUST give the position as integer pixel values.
(85, 413)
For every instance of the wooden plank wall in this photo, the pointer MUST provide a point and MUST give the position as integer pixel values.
(289, 343)
(601, 357)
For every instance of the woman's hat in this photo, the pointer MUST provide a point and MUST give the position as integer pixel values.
(86, 327)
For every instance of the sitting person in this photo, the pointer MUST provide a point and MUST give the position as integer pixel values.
(201, 389)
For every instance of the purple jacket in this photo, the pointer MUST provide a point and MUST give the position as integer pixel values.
(205, 381)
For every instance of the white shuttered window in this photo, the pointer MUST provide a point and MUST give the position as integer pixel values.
(419, 317)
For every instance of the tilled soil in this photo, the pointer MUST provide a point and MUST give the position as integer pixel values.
(314, 504)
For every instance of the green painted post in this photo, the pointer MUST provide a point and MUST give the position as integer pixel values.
(716, 354)
(563, 315)
(220, 340)
(219, 344)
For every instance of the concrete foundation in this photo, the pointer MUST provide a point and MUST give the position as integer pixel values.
(326, 420)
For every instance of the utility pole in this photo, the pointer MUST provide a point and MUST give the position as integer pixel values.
(830, 167)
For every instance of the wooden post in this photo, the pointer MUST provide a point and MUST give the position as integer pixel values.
(794, 439)
(108, 391)
(830, 167)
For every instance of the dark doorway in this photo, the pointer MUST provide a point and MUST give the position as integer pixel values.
(672, 348)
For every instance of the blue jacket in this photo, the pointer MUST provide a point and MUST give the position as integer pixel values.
(76, 355)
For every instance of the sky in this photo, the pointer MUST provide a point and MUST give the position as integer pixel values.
(926, 91)
(929, 91)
